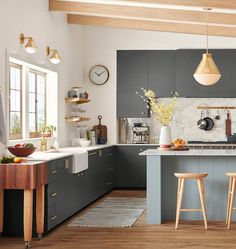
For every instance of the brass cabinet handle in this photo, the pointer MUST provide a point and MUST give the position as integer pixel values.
(66, 164)
(93, 153)
(53, 217)
(54, 172)
(54, 194)
(109, 183)
(109, 154)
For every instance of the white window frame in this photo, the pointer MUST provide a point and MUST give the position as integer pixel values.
(26, 67)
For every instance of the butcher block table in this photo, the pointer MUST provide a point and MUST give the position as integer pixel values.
(27, 177)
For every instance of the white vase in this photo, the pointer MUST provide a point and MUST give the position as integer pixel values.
(165, 137)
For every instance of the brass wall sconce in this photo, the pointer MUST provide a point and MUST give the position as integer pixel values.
(30, 46)
(53, 55)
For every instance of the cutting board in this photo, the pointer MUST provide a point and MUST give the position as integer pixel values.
(228, 125)
(101, 131)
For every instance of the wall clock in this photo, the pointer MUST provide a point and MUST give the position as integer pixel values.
(99, 74)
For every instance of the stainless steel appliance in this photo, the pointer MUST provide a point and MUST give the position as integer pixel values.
(141, 133)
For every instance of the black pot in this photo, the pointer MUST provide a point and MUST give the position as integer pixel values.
(210, 124)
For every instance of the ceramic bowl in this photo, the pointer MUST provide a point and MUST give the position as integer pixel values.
(84, 143)
(21, 151)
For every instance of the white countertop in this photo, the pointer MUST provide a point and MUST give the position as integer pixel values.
(63, 152)
(191, 152)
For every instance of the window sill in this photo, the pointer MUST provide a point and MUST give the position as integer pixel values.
(30, 140)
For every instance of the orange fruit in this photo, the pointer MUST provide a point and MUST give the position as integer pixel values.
(17, 160)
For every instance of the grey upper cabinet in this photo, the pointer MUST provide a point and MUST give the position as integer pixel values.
(187, 61)
(131, 76)
(161, 72)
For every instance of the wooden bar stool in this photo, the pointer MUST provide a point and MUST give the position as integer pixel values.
(181, 180)
(230, 202)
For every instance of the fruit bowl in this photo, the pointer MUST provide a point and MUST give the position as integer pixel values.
(21, 151)
(179, 143)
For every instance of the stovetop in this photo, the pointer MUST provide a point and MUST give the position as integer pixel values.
(209, 142)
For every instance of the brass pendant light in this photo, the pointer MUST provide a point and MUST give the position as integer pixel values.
(207, 73)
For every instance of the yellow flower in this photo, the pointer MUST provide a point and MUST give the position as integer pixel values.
(162, 111)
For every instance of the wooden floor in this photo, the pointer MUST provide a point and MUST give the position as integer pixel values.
(140, 236)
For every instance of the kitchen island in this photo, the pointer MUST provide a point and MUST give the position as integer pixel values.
(162, 184)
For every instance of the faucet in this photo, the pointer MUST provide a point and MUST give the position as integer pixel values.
(43, 144)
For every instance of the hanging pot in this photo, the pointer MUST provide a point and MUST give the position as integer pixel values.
(210, 124)
(202, 123)
(165, 137)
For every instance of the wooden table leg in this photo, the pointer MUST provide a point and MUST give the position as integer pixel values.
(40, 211)
(1, 209)
(28, 213)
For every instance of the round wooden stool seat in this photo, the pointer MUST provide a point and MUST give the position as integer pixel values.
(191, 175)
(182, 177)
(231, 174)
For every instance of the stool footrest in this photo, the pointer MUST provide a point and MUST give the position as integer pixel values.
(191, 210)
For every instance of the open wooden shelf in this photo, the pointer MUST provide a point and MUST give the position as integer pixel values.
(76, 100)
(76, 119)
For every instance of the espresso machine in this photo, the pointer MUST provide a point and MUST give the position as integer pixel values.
(141, 133)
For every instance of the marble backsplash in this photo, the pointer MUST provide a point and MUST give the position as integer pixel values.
(184, 122)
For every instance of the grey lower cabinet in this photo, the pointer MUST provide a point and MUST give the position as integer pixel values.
(187, 61)
(132, 69)
(101, 172)
(131, 168)
(68, 193)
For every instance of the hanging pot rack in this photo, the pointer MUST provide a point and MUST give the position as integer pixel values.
(216, 107)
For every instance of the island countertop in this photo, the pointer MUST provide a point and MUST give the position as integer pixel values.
(191, 152)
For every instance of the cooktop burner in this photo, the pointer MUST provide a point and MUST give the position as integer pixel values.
(208, 142)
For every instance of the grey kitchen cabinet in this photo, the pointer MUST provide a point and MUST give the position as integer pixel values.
(187, 61)
(132, 69)
(100, 173)
(131, 168)
(58, 196)
(161, 72)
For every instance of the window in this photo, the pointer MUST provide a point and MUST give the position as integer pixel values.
(15, 103)
(30, 89)
(37, 102)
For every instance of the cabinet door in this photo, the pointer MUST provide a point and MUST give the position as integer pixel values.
(93, 191)
(162, 72)
(82, 190)
(131, 76)
(187, 61)
(131, 168)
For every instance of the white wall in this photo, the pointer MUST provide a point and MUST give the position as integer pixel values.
(32, 17)
(100, 48)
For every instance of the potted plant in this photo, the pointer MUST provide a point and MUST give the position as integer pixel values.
(47, 130)
(163, 112)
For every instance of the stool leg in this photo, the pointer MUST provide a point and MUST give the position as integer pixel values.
(1, 209)
(202, 199)
(231, 202)
(228, 202)
(179, 201)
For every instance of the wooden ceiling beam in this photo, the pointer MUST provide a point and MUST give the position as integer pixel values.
(214, 4)
(108, 10)
(151, 25)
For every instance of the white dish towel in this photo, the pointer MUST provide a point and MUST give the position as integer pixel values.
(2, 124)
(80, 162)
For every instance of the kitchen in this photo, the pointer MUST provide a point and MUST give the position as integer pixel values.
(83, 46)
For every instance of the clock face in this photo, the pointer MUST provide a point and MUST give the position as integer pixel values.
(99, 75)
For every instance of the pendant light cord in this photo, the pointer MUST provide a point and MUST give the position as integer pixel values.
(207, 28)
